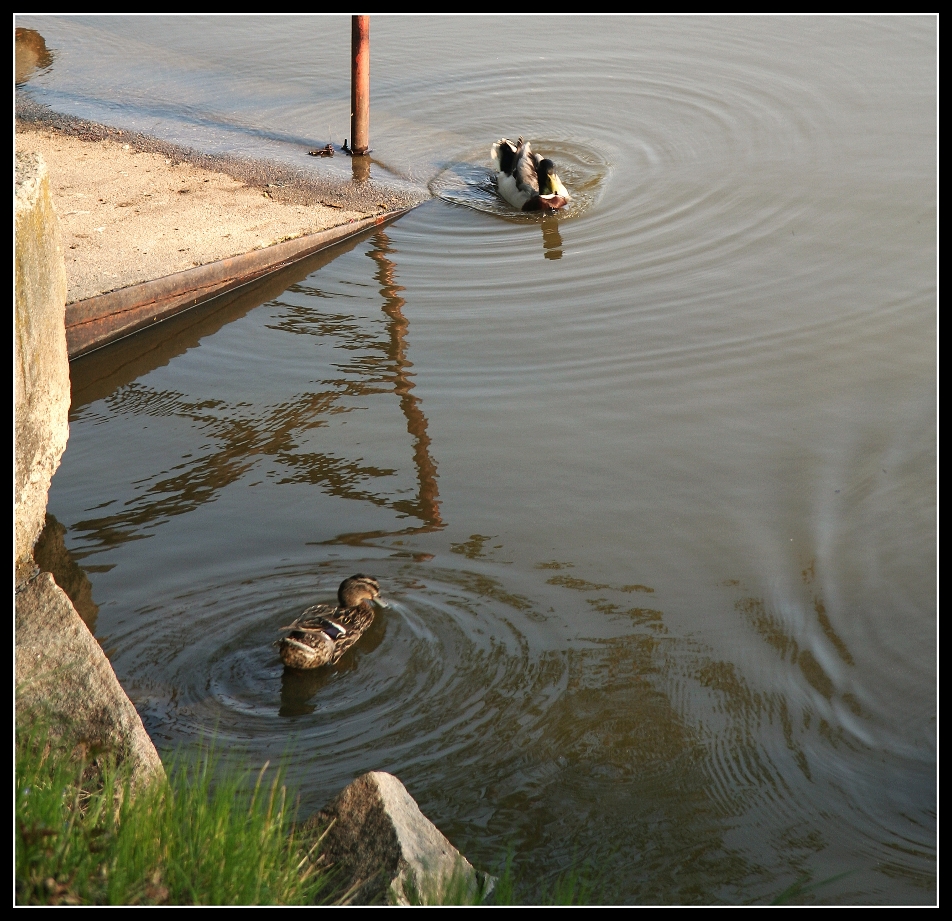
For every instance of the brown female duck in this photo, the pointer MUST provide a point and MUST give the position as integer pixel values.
(324, 632)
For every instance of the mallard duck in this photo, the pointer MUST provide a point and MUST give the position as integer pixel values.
(324, 632)
(525, 179)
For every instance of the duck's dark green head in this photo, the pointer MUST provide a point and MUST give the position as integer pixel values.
(549, 182)
(545, 170)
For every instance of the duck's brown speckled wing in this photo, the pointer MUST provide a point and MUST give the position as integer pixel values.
(355, 622)
(308, 644)
(314, 612)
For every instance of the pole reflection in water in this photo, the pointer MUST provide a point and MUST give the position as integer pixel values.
(299, 687)
(426, 506)
(360, 167)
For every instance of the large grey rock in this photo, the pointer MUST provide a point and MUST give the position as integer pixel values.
(64, 678)
(41, 368)
(62, 675)
(388, 849)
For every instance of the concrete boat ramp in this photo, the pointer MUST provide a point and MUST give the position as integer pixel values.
(149, 231)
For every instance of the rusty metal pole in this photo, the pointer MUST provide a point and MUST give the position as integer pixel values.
(360, 84)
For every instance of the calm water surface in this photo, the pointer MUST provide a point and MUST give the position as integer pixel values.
(650, 486)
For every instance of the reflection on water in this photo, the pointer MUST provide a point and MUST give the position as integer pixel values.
(360, 168)
(241, 435)
(654, 503)
(426, 507)
(31, 54)
(551, 238)
(51, 556)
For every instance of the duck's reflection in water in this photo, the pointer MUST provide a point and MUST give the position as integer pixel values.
(551, 238)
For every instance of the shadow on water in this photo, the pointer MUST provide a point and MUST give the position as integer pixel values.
(99, 374)
(242, 433)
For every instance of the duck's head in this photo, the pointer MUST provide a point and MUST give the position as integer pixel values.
(358, 589)
(549, 182)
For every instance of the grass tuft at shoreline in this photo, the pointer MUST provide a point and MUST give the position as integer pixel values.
(204, 836)
(194, 839)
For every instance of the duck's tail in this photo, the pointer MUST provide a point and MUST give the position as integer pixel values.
(504, 154)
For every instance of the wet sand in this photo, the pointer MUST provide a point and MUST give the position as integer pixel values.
(133, 209)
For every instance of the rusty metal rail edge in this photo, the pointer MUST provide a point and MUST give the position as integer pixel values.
(98, 321)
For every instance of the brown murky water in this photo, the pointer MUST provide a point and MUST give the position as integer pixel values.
(650, 486)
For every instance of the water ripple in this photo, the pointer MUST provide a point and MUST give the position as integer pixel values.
(439, 670)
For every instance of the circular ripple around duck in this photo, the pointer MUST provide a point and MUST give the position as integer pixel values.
(471, 182)
(445, 669)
